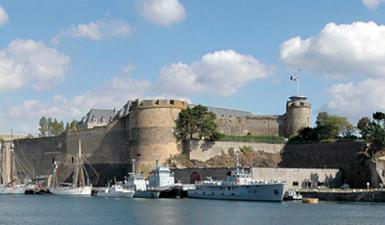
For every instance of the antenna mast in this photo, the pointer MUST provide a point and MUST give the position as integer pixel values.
(155, 154)
(298, 83)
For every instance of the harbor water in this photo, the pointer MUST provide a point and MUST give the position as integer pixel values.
(49, 209)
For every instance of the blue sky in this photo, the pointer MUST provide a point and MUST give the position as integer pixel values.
(61, 58)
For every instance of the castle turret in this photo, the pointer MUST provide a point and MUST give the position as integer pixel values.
(297, 114)
(151, 128)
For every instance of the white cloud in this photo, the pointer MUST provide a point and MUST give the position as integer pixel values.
(339, 50)
(3, 16)
(114, 93)
(162, 12)
(372, 4)
(28, 61)
(11, 74)
(98, 30)
(220, 72)
(356, 100)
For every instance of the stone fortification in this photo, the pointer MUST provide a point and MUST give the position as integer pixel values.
(253, 125)
(145, 127)
(104, 148)
(356, 171)
(151, 130)
(298, 112)
(296, 117)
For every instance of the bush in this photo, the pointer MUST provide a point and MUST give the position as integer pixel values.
(253, 139)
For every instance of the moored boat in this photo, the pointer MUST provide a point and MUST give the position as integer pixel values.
(117, 190)
(310, 200)
(161, 183)
(79, 186)
(239, 185)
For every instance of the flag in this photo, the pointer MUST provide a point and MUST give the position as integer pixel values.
(293, 78)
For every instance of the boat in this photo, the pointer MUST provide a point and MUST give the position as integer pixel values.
(310, 200)
(118, 190)
(79, 185)
(161, 183)
(291, 195)
(239, 185)
(16, 169)
(13, 189)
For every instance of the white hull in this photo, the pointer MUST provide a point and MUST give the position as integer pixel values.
(146, 194)
(17, 189)
(116, 194)
(84, 191)
(254, 192)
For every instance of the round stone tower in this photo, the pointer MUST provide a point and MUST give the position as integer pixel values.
(151, 130)
(297, 114)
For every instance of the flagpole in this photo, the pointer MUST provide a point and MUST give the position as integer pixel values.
(298, 83)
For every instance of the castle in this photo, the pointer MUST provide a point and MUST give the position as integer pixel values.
(149, 125)
(111, 138)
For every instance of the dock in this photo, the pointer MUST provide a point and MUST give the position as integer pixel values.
(348, 195)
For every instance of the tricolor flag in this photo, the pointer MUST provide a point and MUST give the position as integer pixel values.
(293, 78)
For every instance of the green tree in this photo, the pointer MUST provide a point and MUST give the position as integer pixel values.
(196, 122)
(56, 128)
(74, 125)
(363, 125)
(43, 127)
(375, 134)
(332, 126)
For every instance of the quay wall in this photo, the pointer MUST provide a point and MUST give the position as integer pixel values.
(359, 195)
(356, 171)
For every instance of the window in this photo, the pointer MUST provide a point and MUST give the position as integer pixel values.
(295, 183)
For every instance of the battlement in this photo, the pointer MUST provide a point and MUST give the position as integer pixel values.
(158, 103)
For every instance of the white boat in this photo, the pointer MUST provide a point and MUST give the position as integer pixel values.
(239, 185)
(117, 190)
(292, 195)
(14, 189)
(79, 185)
(160, 181)
(71, 190)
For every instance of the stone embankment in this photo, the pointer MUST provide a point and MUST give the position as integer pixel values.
(352, 195)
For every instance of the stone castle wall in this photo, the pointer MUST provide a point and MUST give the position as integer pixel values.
(105, 149)
(345, 156)
(255, 125)
(148, 127)
(151, 131)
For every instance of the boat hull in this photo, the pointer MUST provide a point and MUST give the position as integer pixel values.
(19, 189)
(83, 191)
(116, 194)
(257, 192)
(146, 194)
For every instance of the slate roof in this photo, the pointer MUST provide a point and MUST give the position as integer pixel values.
(99, 116)
(223, 112)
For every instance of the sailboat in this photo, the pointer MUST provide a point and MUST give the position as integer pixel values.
(78, 185)
(13, 165)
